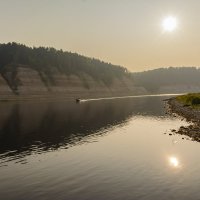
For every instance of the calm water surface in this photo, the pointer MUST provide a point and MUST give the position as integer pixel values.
(97, 150)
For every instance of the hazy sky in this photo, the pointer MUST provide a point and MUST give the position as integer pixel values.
(124, 32)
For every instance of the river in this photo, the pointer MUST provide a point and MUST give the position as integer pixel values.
(110, 149)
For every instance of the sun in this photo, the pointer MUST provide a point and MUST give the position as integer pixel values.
(169, 24)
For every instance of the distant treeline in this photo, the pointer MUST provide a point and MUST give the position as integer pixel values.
(154, 79)
(47, 60)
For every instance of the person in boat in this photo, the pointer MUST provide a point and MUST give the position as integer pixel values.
(78, 100)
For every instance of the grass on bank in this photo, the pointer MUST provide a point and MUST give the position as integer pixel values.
(192, 99)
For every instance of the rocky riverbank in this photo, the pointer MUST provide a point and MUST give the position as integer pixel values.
(190, 114)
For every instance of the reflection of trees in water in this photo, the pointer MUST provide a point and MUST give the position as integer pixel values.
(47, 126)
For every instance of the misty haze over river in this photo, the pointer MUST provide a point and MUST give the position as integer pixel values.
(95, 150)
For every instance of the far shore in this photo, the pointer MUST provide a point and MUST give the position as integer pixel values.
(91, 97)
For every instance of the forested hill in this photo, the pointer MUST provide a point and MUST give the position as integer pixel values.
(27, 72)
(46, 60)
(47, 71)
(179, 79)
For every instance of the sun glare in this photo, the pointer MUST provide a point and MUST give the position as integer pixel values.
(174, 162)
(169, 24)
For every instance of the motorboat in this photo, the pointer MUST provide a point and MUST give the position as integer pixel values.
(78, 100)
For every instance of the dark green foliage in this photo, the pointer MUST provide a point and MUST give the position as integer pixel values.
(196, 101)
(192, 99)
(48, 60)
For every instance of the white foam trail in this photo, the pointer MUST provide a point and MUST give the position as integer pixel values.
(136, 96)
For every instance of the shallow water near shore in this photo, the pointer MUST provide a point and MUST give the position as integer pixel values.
(104, 149)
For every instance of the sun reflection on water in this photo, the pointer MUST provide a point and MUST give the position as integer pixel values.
(174, 162)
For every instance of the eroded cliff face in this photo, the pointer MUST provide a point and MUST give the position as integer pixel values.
(26, 82)
(5, 90)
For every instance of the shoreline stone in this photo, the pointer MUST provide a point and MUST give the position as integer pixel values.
(191, 115)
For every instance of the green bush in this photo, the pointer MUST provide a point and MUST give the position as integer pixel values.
(190, 99)
(195, 101)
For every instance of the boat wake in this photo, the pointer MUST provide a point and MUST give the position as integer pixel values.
(125, 97)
